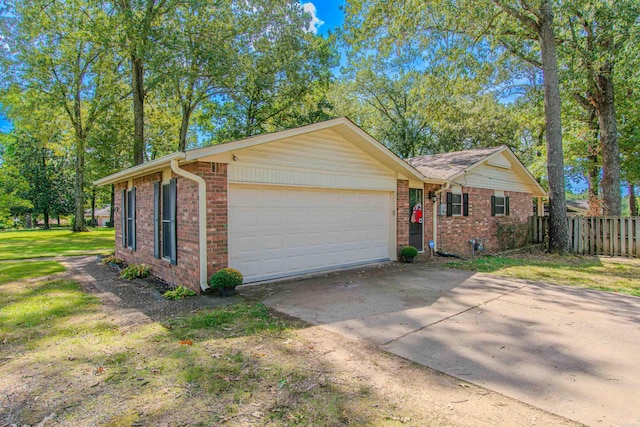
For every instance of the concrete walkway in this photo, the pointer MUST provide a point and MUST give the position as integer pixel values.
(570, 351)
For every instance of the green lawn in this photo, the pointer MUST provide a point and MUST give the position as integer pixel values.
(49, 243)
(620, 275)
(12, 271)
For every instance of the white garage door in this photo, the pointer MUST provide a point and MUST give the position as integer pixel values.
(281, 231)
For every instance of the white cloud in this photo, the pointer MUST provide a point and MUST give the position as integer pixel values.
(315, 23)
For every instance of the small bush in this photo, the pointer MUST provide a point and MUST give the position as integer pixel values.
(178, 293)
(409, 252)
(225, 278)
(512, 234)
(133, 271)
(112, 259)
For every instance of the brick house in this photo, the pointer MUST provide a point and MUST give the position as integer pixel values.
(487, 199)
(308, 199)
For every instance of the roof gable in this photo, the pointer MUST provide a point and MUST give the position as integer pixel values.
(342, 126)
(493, 167)
(447, 165)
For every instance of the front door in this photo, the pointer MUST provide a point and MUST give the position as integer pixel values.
(416, 219)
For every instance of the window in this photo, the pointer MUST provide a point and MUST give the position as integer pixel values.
(457, 203)
(164, 213)
(499, 204)
(129, 218)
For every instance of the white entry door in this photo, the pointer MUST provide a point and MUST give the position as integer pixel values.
(282, 231)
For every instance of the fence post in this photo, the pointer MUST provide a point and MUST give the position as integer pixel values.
(629, 222)
(637, 224)
(623, 236)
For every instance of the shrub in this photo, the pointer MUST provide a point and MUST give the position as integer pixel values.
(180, 292)
(512, 234)
(112, 259)
(225, 278)
(409, 252)
(133, 271)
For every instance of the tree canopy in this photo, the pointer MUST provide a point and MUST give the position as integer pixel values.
(95, 86)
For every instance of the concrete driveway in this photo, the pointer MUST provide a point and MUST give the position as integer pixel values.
(570, 351)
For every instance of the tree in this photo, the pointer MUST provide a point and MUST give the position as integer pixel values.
(13, 187)
(596, 34)
(137, 22)
(39, 156)
(278, 66)
(57, 56)
(456, 30)
(196, 55)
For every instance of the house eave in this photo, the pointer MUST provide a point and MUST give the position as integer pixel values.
(140, 170)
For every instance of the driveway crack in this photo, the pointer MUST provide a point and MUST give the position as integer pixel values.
(453, 315)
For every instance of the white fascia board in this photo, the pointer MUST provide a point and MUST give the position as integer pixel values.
(139, 170)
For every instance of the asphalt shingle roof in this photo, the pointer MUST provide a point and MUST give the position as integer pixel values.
(446, 165)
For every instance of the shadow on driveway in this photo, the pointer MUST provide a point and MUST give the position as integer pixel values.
(570, 351)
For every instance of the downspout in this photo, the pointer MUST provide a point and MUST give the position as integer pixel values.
(202, 218)
(435, 216)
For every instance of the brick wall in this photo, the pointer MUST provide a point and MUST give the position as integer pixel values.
(454, 232)
(187, 270)
(402, 214)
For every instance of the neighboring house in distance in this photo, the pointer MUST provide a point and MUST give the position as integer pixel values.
(577, 207)
(308, 199)
(102, 216)
(487, 198)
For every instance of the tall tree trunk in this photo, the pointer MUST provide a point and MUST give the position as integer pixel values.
(558, 226)
(113, 201)
(137, 84)
(78, 223)
(633, 207)
(93, 207)
(184, 127)
(605, 107)
(593, 170)
(46, 218)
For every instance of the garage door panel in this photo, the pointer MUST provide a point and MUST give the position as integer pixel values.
(280, 231)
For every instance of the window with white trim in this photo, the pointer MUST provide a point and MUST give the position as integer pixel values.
(457, 202)
(499, 204)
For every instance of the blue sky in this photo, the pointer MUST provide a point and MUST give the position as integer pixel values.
(328, 12)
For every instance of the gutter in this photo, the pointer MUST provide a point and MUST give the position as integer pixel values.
(435, 216)
(202, 218)
(142, 169)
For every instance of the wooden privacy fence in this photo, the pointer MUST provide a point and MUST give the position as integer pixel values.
(595, 235)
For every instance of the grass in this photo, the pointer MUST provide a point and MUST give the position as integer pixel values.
(12, 271)
(63, 353)
(619, 275)
(49, 243)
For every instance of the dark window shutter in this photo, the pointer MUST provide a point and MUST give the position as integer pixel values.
(133, 223)
(449, 204)
(465, 204)
(493, 205)
(506, 206)
(172, 219)
(123, 217)
(156, 219)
